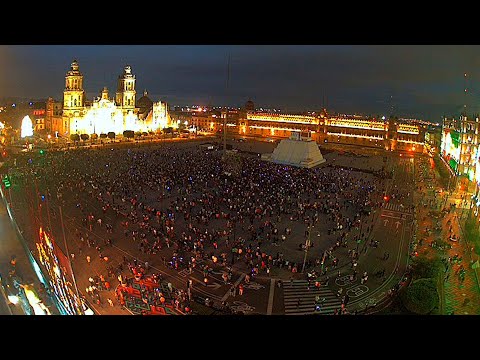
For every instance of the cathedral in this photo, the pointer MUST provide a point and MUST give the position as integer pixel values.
(105, 114)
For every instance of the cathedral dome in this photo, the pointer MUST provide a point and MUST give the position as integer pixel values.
(144, 103)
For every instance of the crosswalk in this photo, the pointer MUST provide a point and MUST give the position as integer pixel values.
(298, 290)
(398, 208)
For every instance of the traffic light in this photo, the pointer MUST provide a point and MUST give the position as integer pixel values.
(6, 181)
(42, 152)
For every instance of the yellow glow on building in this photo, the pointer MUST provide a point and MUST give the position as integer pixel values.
(270, 127)
(131, 122)
(357, 124)
(410, 142)
(272, 131)
(106, 115)
(356, 136)
(283, 118)
(160, 116)
(408, 129)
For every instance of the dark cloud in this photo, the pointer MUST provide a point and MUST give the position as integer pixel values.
(424, 81)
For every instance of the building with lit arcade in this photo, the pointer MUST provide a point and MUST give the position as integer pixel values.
(105, 114)
(392, 134)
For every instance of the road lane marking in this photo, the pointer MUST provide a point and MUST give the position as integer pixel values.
(393, 217)
(227, 294)
(270, 297)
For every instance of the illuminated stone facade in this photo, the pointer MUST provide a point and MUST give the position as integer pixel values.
(53, 118)
(460, 145)
(355, 130)
(277, 125)
(104, 114)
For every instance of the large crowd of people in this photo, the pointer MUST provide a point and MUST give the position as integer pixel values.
(180, 206)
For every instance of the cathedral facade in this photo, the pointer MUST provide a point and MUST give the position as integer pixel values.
(105, 114)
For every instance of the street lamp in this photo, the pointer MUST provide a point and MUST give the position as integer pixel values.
(307, 245)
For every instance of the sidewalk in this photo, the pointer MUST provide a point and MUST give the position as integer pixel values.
(457, 296)
(461, 297)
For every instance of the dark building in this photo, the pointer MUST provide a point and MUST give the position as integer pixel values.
(144, 105)
(249, 106)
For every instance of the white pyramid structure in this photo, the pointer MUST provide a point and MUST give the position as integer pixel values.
(296, 151)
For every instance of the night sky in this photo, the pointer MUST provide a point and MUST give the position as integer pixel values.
(419, 81)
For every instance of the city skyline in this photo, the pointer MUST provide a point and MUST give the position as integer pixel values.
(425, 82)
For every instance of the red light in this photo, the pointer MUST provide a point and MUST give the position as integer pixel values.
(385, 198)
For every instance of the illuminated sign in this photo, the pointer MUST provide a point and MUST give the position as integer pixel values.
(39, 112)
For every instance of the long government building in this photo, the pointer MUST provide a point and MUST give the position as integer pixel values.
(392, 134)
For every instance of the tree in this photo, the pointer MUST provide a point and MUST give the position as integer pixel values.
(94, 137)
(129, 134)
(424, 268)
(84, 137)
(421, 297)
(138, 133)
(111, 135)
(103, 136)
(74, 137)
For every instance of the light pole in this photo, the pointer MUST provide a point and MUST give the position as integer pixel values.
(307, 245)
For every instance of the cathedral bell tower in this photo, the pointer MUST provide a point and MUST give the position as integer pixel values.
(73, 95)
(73, 99)
(125, 96)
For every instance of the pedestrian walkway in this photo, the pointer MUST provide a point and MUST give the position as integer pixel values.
(459, 294)
(398, 208)
(299, 300)
(462, 295)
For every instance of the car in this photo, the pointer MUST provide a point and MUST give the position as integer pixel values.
(242, 140)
